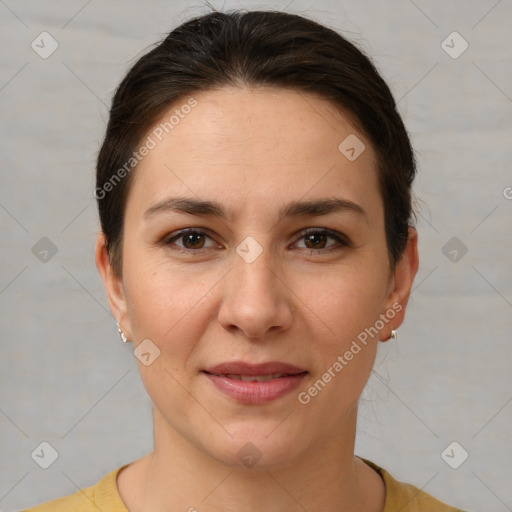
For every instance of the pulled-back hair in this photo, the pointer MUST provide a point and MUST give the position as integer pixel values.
(255, 48)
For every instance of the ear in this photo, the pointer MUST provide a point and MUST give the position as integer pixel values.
(400, 286)
(113, 285)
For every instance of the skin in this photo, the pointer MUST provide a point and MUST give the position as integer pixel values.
(253, 151)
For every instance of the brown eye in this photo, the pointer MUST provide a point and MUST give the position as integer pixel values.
(196, 240)
(316, 240)
(188, 240)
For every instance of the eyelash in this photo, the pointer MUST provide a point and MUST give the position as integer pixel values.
(342, 240)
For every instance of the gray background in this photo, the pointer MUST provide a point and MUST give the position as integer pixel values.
(67, 379)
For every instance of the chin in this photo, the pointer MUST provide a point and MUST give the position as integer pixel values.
(261, 446)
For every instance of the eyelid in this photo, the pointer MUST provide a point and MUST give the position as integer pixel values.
(182, 232)
(342, 239)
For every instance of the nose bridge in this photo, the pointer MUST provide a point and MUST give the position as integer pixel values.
(253, 299)
(252, 264)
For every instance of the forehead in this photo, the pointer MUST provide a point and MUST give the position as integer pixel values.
(262, 145)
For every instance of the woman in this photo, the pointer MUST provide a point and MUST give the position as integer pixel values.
(254, 192)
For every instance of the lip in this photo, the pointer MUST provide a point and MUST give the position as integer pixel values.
(243, 368)
(255, 393)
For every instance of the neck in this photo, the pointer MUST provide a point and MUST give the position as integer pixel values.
(325, 477)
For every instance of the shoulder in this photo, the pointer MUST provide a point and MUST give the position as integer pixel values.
(81, 501)
(103, 496)
(406, 497)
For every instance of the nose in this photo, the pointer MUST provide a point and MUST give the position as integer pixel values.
(256, 298)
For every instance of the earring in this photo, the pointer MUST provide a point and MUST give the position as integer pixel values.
(122, 334)
(394, 334)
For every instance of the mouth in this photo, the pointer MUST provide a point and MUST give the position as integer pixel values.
(255, 384)
(255, 378)
(247, 369)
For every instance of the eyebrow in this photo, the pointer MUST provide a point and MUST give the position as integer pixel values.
(312, 208)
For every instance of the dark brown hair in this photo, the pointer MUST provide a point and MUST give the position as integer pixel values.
(255, 48)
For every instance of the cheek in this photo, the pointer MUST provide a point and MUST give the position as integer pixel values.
(345, 298)
(173, 304)
(346, 303)
(168, 308)
(165, 304)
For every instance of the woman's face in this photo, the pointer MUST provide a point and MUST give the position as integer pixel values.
(262, 283)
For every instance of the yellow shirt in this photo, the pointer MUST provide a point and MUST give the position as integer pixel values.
(400, 497)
